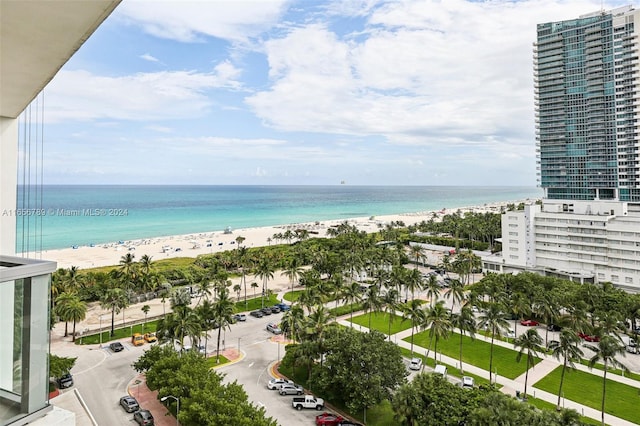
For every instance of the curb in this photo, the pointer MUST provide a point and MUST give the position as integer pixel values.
(231, 362)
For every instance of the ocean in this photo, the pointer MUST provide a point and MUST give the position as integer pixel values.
(61, 216)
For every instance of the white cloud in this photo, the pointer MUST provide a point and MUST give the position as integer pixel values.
(187, 21)
(81, 95)
(422, 72)
(150, 58)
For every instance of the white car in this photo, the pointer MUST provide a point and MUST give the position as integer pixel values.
(415, 364)
(467, 382)
(277, 383)
(510, 333)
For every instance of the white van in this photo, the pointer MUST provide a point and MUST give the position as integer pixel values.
(441, 370)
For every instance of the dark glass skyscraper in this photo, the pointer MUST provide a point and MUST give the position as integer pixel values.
(587, 78)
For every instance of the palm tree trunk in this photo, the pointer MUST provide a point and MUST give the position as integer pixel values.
(564, 367)
(73, 338)
(218, 346)
(66, 328)
(604, 388)
(491, 356)
(461, 370)
(412, 327)
(113, 320)
(526, 378)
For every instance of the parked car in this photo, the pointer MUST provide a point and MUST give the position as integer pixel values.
(257, 314)
(328, 419)
(510, 333)
(150, 337)
(116, 346)
(129, 404)
(290, 389)
(143, 417)
(273, 327)
(275, 309)
(349, 423)
(65, 381)
(467, 382)
(415, 364)
(202, 349)
(283, 307)
(589, 337)
(266, 310)
(554, 327)
(307, 401)
(529, 323)
(276, 383)
(137, 339)
(240, 317)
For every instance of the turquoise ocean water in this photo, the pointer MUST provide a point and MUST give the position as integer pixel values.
(61, 216)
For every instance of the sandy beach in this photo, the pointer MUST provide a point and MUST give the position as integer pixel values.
(193, 245)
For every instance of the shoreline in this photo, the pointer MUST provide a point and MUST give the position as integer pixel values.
(195, 244)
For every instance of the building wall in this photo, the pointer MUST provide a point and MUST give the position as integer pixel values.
(8, 190)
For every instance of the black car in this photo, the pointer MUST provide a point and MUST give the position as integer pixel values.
(129, 404)
(275, 309)
(266, 310)
(143, 417)
(65, 381)
(116, 346)
(554, 327)
(257, 314)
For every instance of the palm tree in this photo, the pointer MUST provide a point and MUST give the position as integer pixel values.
(242, 264)
(237, 288)
(493, 318)
(182, 322)
(607, 350)
(413, 281)
(417, 251)
(223, 309)
(128, 267)
(293, 322)
(373, 302)
(465, 322)
(254, 286)
(61, 301)
(568, 348)
(71, 308)
(114, 299)
(439, 323)
(433, 289)
(293, 271)
(390, 305)
(547, 307)
(455, 292)
(265, 272)
(317, 323)
(145, 309)
(351, 294)
(520, 306)
(146, 265)
(413, 312)
(529, 343)
(205, 313)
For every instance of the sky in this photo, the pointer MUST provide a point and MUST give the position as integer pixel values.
(304, 92)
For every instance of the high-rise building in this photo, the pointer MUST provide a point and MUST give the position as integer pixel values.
(586, 74)
(587, 113)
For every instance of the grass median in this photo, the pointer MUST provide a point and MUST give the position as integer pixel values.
(476, 352)
(585, 388)
(380, 322)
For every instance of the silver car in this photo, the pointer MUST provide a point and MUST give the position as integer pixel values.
(273, 327)
(290, 389)
(276, 383)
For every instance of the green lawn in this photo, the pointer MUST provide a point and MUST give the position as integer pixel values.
(622, 400)
(292, 296)
(476, 352)
(452, 370)
(119, 333)
(619, 372)
(256, 303)
(380, 322)
(345, 309)
(544, 405)
(211, 360)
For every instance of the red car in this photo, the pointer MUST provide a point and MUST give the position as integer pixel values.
(588, 338)
(328, 419)
(529, 323)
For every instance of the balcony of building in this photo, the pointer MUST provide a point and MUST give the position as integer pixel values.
(24, 341)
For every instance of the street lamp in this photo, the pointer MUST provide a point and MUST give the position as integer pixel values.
(164, 398)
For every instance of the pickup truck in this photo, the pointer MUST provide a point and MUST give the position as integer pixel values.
(307, 401)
